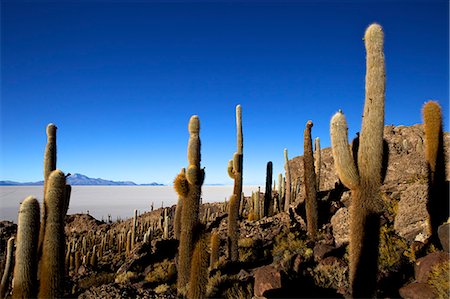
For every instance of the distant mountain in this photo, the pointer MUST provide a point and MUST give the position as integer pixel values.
(81, 180)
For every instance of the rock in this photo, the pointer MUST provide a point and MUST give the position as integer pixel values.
(417, 290)
(321, 251)
(425, 264)
(243, 275)
(346, 198)
(443, 233)
(266, 278)
(297, 262)
(341, 226)
(412, 216)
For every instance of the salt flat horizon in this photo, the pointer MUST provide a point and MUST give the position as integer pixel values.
(118, 201)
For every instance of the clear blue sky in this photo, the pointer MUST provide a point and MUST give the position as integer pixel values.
(120, 80)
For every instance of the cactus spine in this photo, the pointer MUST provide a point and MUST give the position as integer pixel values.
(287, 192)
(4, 285)
(268, 200)
(310, 182)
(235, 172)
(190, 212)
(317, 161)
(25, 269)
(51, 268)
(364, 181)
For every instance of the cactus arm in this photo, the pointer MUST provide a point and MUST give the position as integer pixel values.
(343, 159)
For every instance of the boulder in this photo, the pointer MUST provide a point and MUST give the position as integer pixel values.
(321, 251)
(340, 223)
(266, 278)
(417, 290)
(443, 233)
(425, 264)
(412, 217)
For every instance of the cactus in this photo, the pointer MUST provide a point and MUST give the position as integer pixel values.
(215, 245)
(310, 182)
(133, 232)
(317, 161)
(4, 285)
(233, 234)
(25, 268)
(49, 166)
(432, 125)
(438, 204)
(190, 211)
(366, 179)
(51, 267)
(287, 192)
(268, 200)
(182, 188)
(235, 172)
(199, 269)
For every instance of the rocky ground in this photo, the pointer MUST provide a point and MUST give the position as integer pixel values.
(276, 258)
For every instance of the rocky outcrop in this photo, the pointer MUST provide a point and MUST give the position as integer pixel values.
(412, 216)
(340, 223)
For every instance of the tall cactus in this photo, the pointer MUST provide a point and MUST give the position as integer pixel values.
(438, 204)
(310, 182)
(317, 161)
(49, 166)
(51, 267)
(235, 172)
(268, 200)
(190, 211)
(25, 269)
(366, 179)
(287, 192)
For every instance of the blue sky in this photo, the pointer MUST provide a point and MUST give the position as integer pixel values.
(120, 80)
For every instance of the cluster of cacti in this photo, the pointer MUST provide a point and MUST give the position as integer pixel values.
(188, 186)
(365, 179)
(40, 246)
(235, 172)
(287, 188)
(310, 182)
(438, 192)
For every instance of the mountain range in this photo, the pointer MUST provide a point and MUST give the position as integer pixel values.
(82, 180)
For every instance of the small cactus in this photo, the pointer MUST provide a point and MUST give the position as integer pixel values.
(215, 245)
(4, 284)
(317, 161)
(287, 194)
(25, 268)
